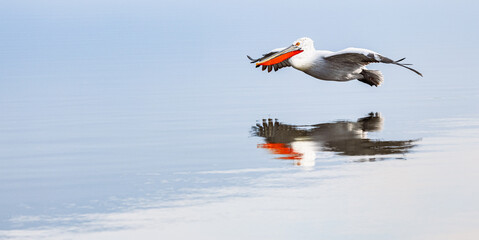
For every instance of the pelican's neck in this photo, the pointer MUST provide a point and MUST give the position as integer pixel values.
(304, 60)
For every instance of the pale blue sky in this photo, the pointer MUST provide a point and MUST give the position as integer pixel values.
(55, 36)
(57, 49)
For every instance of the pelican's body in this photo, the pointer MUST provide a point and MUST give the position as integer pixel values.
(344, 65)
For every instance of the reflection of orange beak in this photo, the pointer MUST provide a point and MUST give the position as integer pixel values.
(282, 149)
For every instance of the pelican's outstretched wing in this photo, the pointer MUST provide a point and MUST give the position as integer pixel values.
(276, 59)
(363, 57)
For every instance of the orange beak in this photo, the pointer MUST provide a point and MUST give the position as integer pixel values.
(280, 56)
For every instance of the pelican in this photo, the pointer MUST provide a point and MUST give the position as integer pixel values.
(344, 65)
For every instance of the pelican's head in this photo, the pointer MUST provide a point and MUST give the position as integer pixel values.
(303, 61)
(304, 43)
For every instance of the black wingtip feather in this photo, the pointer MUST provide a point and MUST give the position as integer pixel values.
(252, 59)
(405, 65)
(412, 69)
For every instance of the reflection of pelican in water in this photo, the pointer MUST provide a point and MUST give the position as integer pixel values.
(302, 143)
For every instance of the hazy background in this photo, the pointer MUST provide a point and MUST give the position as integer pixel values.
(112, 108)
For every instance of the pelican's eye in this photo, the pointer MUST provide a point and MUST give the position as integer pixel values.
(297, 44)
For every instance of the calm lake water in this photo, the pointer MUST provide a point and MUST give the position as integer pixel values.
(116, 126)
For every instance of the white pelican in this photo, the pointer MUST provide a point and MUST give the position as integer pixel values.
(344, 65)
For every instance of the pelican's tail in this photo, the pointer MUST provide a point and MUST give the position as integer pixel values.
(372, 77)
